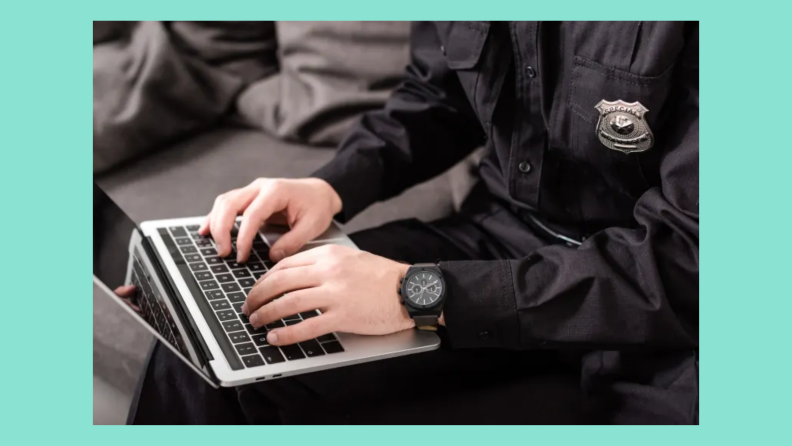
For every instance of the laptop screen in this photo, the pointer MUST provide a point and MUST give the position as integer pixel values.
(120, 260)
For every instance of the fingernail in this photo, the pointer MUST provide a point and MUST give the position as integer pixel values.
(272, 337)
(278, 255)
(244, 309)
(254, 319)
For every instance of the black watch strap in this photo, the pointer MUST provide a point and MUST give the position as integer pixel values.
(425, 321)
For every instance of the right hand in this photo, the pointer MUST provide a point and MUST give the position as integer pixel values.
(308, 204)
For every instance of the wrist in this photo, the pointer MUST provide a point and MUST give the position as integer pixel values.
(401, 270)
(335, 200)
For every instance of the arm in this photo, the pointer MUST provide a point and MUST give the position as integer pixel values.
(426, 126)
(621, 288)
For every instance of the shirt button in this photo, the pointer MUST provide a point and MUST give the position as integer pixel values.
(442, 49)
(483, 335)
(525, 167)
(529, 70)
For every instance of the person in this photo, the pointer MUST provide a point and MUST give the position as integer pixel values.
(571, 268)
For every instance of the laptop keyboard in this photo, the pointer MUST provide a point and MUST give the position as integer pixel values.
(225, 285)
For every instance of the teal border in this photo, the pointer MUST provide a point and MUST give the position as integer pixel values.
(746, 161)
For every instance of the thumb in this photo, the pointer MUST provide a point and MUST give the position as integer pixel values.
(289, 243)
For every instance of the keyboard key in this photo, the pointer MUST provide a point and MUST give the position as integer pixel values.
(309, 314)
(256, 267)
(326, 338)
(214, 260)
(208, 252)
(200, 266)
(236, 297)
(184, 241)
(292, 352)
(203, 275)
(225, 278)
(247, 282)
(260, 339)
(188, 249)
(244, 318)
(214, 294)
(333, 347)
(274, 325)
(245, 349)
(209, 285)
(204, 243)
(237, 307)
(252, 361)
(239, 336)
(178, 231)
(193, 228)
(257, 275)
(271, 354)
(196, 236)
(267, 263)
(232, 326)
(220, 304)
(232, 263)
(311, 348)
(226, 315)
(247, 291)
(241, 273)
(219, 269)
(292, 322)
(192, 257)
(231, 287)
(293, 317)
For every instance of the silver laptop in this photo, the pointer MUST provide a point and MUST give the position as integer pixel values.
(191, 299)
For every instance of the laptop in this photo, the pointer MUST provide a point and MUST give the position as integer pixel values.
(190, 300)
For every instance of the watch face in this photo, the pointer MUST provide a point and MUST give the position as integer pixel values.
(424, 288)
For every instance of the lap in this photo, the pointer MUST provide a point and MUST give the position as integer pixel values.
(440, 387)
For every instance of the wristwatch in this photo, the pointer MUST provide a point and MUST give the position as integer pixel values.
(423, 292)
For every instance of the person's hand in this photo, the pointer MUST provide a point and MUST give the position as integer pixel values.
(126, 292)
(355, 290)
(307, 204)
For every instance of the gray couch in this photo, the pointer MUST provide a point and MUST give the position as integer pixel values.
(183, 181)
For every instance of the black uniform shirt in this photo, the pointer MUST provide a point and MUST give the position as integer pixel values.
(528, 91)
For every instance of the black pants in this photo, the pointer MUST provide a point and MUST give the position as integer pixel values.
(445, 386)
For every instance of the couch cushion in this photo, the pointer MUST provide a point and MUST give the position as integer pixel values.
(184, 180)
(330, 72)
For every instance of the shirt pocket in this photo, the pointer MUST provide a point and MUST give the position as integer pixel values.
(462, 44)
(592, 82)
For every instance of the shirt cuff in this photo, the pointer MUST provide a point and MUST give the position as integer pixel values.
(480, 309)
(354, 180)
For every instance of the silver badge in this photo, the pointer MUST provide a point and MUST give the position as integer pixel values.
(622, 127)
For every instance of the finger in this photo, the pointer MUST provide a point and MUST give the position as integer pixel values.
(224, 216)
(305, 258)
(131, 305)
(307, 329)
(277, 284)
(125, 290)
(304, 229)
(290, 304)
(204, 229)
(262, 207)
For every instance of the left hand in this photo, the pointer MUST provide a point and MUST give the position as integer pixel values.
(355, 290)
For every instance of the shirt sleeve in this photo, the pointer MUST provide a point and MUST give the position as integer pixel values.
(426, 126)
(621, 288)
